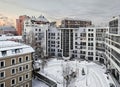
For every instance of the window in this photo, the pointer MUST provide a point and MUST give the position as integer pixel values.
(76, 43)
(2, 63)
(90, 29)
(20, 79)
(2, 84)
(26, 67)
(26, 76)
(13, 61)
(90, 53)
(13, 82)
(90, 44)
(76, 34)
(13, 51)
(13, 71)
(27, 85)
(4, 53)
(20, 60)
(96, 58)
(2, 74)
(20, 68)
(90, 35)
(27, 58)
(17, 50)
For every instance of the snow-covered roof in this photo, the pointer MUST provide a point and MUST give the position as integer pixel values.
(42, 18)
(4, 37)
(11, 48)
(33, 18)
(76, 19)
(7, 28)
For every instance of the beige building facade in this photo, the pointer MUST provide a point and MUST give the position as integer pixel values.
(15, 65)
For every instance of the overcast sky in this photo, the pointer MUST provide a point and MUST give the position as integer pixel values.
(96, 10)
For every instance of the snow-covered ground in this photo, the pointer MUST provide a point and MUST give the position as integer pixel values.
(37, 83)
(94, 74)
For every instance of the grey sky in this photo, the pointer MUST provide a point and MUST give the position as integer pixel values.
(95, 10)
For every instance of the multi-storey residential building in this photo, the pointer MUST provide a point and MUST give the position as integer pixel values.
(20, 23)
(100, 44)
(54, 42)
(72, 42)
(75, 23)
(15, 64)
(35, 32)
(84, 42)
(112, 42)
(88, 44)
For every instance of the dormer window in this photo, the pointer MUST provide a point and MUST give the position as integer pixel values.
(4, 53)
(17, 50)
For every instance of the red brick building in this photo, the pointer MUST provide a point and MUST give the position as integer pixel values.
(20, 23)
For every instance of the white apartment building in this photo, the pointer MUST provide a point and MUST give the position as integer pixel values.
(88, 44)
(84, 42)
(100, 44)
(35, 32)
(54, 42)
(67, 42)
(72, 42)
(112, 42)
